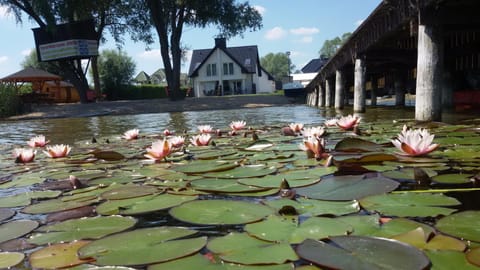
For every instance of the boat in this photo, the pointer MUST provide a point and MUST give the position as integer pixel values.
(293, 89)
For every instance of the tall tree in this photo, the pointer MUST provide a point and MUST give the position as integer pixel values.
(47, 13)
(330, 46)
(116, 69)
(170, 16)
(277, 64)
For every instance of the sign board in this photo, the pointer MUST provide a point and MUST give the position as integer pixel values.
(75, 40)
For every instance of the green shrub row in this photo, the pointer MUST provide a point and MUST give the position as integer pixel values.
(132, 92)
(9, 100)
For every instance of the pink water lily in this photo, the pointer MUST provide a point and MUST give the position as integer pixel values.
(414, 142)
(159, 150)
(201, 140)
(177, 141)
(38, 141)
(313, 132)
(348, 122)
(23, 155)
(57, 151)
(131, 134)
(331, 122)
(167, 132)
(296, 127)
(237, 125)
(205, 129)
(315, 147)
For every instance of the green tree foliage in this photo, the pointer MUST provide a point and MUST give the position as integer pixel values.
(116, 68)
(168, 18)
(330, 46)
(31, 60)
(9, 100)
(277, 65)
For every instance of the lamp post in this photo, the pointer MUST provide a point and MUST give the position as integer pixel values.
(288, 57)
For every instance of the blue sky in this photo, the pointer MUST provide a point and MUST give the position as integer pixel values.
(299, 26)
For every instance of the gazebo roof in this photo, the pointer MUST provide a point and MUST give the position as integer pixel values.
(31, 74)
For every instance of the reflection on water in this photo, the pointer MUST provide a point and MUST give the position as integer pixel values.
(68, 130)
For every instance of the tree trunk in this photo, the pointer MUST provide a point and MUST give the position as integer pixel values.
(73, 72)
(429, 73)
(339, 90)
(359, 86)
(96, 78)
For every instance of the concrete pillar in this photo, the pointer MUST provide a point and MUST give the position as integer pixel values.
(359, 99)
(429, 73)
(373, 93)
(328, 92)
(339, 89)
(321, 95)
(399, 85)
(311, 98)
(447, 90)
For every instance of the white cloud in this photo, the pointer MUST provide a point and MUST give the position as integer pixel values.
(3, 59)
(304, 31)
(150, 55)
(260, 9)
(26, 52)
(357, 23)
(275, 33)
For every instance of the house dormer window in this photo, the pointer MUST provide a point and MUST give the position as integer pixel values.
(248, 62)
(212, 70)
(228, 68)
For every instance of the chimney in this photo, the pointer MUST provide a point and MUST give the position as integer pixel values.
(221, 43)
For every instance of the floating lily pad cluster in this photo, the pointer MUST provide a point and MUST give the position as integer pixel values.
(251, 199)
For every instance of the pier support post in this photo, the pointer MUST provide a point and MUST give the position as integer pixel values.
(429, 73)
(359, 86)
(339, 89)
(447, 90)
(321, 95)
(399, 86)
(373, 93)
(328, 92)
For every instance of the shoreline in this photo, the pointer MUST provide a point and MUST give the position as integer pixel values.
(128, 107)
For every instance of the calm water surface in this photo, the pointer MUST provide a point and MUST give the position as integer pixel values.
(68, 130)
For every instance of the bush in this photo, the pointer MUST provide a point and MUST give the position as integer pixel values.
(132, 92)
(9, 100)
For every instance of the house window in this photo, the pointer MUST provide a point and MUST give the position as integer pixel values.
(227, 68)
(212, 70)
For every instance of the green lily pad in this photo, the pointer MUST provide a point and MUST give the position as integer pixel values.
(287, 229)
(359, 252)
(220, 212)
(473, 256)
(209, 154)
(465, 225)
(222, 186)
(398, 226)
(448, 259)
(197, 167)
(342, 188)
(350, 144)
(10, 259)
(311, 207)
(410, 204)
(297, 178)
(452, 178)
(6, 213)
(16, 228)
(243, 172)
(407, 173)
(145, 246)
(83, 228)
(129, 191)
(58, 256)
(198, 261)
(243, 249)
(25, 198)
(24, 180)
(418, 238)
(156, 203)
(56, 205)
(365, 158)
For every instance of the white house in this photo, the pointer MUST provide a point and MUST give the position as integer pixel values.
(228, 71)
(309, 71)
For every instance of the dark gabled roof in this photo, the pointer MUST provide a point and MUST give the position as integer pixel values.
(239, 55)
(314, 65)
